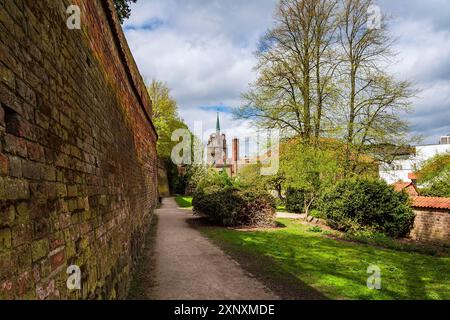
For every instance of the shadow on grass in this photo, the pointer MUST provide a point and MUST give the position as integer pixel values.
(263, 268)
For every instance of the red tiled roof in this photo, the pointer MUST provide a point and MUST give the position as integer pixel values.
(431, 202)
(399, 186)
(409, 187)
(412, 176)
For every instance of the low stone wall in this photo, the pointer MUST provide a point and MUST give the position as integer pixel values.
(431, 225)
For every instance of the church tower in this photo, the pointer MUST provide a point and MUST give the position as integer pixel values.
(217, 147)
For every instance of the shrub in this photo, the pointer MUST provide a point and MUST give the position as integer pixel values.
(438, 188)
(231, 207)
(295, 200)
(371, 205)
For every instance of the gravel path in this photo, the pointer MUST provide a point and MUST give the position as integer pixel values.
(188, 266)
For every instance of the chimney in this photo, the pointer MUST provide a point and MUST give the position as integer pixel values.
(445, 139)
(413, 177)
(235, 154)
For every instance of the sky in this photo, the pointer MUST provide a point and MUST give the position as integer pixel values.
(204, 51)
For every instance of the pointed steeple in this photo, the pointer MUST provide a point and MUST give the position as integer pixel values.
(218, 124)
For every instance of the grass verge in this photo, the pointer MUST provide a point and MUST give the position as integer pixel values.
(183, 201)
(325, 267)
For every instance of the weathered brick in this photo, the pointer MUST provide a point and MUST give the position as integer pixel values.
(72, 190)
(15, 167)
(6, 265)
(23, 213)
(35, 152)
(5, 239)
(57, 259)
(7, 76)
(21, 234)
(15, 145)
(31, 170)
(7, 216)
(26, 92)
(16, 189)
(39, 249)
(22, 257)
(4, 165)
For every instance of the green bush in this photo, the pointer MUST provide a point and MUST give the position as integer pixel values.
(231, 207)
(371, 205)
(438, 188)
(295, 200)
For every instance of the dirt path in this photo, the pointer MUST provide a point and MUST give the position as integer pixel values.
(187, 266)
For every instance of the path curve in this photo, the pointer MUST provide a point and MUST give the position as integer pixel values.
(188, 266)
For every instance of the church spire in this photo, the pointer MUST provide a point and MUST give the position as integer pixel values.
(218, 123)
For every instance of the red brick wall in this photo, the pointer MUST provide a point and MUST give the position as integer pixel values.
(78, 156)
(432, 225)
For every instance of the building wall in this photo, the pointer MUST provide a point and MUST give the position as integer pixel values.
(399, 169)
(78, 156)
(432, 225)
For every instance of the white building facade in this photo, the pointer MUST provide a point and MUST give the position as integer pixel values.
(399, 169)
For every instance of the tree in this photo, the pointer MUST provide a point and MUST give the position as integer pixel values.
(166, 119)
(372, 99)
(322, 73)
(294, 69)
(308, 168)
(165, 116)
(123, 9)
(434, 176)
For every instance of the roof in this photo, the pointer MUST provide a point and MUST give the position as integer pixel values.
(431, 202)
(408, 187)
(412, 176)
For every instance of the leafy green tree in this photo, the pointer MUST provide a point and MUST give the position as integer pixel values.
(166, 120)
(123, 8)
(308, 168)
(435, 176)
(322, 73)
(165, 116)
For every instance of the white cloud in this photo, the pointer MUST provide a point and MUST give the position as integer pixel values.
(203, 49)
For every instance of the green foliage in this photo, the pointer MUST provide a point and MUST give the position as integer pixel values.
(295, 200)
(232, 207)
(123, 8)
(165, 117)
(435, 176)
(250, 176)
(365, 204)
(309, 168)
(212, 177)
(315, 229)
(183, 202)
(317, 214)
(225, 202)
(438, 188)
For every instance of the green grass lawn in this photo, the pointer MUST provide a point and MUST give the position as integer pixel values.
(184, 202)
(281, 208)
(337, 269)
